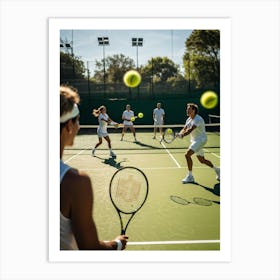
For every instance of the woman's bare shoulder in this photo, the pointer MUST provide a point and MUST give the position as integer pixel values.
(75, 178)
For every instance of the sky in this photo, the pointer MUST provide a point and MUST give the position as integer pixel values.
(170, 43)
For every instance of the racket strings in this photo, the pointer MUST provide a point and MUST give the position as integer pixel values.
(129, 191)
(168, 135)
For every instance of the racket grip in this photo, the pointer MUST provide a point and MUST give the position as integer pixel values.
(122, 232)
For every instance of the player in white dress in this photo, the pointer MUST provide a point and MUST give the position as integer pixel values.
(103, 120)
(195, 126)
(127, 123)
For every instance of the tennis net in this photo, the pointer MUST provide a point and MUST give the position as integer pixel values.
(87, 138)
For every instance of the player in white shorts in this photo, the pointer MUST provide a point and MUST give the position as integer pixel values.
(195, 126)
(127, 123)
(158, 117)
(103, 120)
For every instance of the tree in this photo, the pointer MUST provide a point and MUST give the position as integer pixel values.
(161, 69)
(202, 57)
(71, 67)
(116, 66)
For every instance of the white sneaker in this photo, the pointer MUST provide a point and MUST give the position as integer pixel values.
(112, 154)
(188, 179)
(218, 173)
(93, 152)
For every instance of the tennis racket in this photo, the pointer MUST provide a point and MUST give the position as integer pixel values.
(128, 192)
(169, 135)
(116, 125)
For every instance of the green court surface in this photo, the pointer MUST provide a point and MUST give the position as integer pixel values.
(162, 223)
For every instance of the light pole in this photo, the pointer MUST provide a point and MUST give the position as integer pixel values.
(103, 41)
(67, 45)
(88, 76)
(137, 42)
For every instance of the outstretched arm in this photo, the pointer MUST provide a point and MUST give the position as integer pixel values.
(186, 131)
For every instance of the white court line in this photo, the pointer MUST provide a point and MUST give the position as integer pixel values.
(69, 159)
(174, 242)
(149, 168)
(212, 153)
(176, 162)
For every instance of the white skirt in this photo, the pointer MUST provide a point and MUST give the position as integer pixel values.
(101, 132)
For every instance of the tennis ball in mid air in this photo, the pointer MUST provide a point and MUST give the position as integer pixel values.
(132, 78)
(140, 115)
(169, 131)
(209, 99)
(132, 119)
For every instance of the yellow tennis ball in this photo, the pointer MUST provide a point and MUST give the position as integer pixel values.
(132, 119)
(209, 99)
(140, 115)
(169, 131)
(132, 78)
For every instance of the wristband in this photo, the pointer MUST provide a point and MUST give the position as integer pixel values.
(119, 244)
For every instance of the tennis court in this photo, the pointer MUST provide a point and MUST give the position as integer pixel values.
(165, 222)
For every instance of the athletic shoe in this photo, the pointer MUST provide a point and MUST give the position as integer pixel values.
(112, 154)
(93, 152)
(188, 179)
(154, 137)
(218, 173)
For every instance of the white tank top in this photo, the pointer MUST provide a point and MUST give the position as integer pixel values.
(67, 238)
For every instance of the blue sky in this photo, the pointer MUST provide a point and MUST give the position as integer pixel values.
(170, 43)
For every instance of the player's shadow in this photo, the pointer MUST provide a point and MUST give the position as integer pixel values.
(141, 144)
(112, 162)
(146, 145)
(215, 190)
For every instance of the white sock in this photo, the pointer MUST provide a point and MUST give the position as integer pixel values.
(190, 173)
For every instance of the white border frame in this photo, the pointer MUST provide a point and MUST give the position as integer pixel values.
(224, 254)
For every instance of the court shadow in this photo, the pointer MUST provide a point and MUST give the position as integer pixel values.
(215, 190)
(112, 162)
(139, 143)
(146, 145)
(196, 200)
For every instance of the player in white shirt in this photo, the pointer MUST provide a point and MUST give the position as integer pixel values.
(195, 126)
(158, 117)
(103, 120)
(127, 123)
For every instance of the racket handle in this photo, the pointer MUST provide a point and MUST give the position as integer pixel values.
(123, 232)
